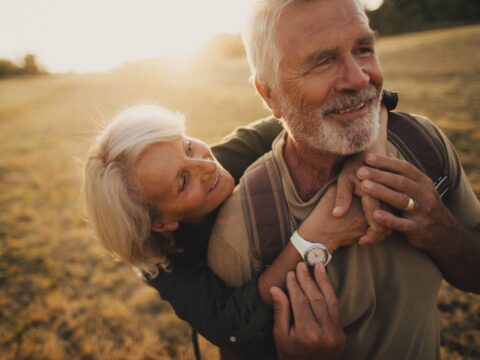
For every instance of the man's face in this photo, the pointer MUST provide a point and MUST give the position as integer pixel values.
(331, 79)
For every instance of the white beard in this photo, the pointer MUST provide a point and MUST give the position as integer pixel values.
(316, 130)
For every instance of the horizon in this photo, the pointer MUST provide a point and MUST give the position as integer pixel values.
(98, 36)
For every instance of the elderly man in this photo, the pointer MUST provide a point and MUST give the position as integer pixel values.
(314, 65)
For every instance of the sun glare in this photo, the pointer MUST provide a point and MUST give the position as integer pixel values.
(372, 5)
(90, 35)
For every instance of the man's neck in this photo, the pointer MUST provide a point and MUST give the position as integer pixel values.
(310, 169)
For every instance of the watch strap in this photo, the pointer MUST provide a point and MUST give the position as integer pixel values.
(303, 246)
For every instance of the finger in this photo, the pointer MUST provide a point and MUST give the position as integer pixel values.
(374, 235)
(389, 196)
(395, 223)
(281, 312)
(394, 181)
(393, 165)
(343, 199)
(313, 293)
(369, 204)
(323, 281)
(302, 312)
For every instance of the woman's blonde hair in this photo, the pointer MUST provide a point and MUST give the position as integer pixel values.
(120, 217)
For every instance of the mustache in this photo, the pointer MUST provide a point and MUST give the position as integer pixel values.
(347, 100)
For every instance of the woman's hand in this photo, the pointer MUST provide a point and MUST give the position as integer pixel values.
(348, 185)
(321, 226)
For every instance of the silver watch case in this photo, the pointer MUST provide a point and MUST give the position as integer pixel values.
(317, 254)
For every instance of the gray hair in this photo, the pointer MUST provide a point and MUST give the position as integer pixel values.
(120, 217)
(260, 43)
(259, 39)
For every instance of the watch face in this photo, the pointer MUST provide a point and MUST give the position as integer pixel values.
(316, 256)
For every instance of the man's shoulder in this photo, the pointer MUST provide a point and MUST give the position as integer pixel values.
(231, 210)
(421, 141)
(229, 228)
(229, 252)
(426, 123)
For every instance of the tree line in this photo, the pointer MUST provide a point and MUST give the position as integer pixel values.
(400, 16)
(29, 66)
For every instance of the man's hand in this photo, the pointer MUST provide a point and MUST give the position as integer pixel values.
(348, 185)
(428, 224)
(395, 182)
(333, 232)
(316, 332)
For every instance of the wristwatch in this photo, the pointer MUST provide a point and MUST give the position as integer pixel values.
(312, 253)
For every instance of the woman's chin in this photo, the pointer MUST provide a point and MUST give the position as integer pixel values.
(225, 187)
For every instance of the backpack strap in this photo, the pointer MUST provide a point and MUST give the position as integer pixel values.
(420, 148)
(265, 209)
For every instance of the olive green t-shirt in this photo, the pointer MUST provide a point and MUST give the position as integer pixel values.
(387, 292)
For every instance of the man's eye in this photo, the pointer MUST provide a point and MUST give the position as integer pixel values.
(324, 62)
(184, 182)
(365, 50)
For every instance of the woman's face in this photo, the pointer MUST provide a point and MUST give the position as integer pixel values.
(184, 181)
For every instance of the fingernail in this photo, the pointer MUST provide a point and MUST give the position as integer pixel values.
(320, 267)
(337, 211)
(367, 184)
(363, 172)
(378, 214)
(302, 266)
(370, 158)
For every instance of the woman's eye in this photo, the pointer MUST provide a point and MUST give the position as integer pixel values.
(184, 181)
(189, 147)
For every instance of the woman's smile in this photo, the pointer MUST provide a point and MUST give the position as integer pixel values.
(183, 179)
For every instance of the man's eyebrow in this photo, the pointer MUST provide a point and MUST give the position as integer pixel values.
(369, 38)
(318, 56)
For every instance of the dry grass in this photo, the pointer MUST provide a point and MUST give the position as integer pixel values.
(62, 297)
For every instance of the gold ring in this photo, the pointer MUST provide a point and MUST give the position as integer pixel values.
(410, 206)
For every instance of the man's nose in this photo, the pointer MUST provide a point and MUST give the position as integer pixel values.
(352, 76)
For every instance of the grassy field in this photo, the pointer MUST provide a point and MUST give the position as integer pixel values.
(62, 297)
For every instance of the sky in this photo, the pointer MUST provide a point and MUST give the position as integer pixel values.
(96, 35)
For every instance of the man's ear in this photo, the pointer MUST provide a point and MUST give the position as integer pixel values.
(164, 226)
(265, 92)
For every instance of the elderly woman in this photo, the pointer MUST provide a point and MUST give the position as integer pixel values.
(152, 194)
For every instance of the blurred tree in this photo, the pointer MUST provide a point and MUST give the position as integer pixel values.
(8, 68)
(30, 66)
(399, 16)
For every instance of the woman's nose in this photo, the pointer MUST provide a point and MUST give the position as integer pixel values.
(206, 168)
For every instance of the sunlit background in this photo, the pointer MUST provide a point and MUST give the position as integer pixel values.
(61, 295)
(93, 35)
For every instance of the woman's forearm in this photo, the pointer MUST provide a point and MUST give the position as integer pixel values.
(276, 273)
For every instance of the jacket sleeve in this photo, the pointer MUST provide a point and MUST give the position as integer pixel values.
(238, 150)
(224, 316)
